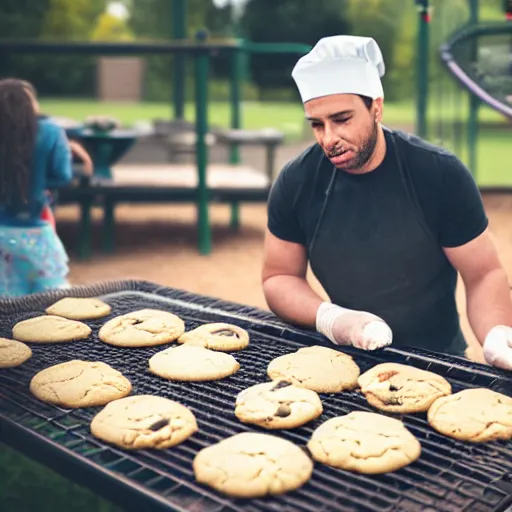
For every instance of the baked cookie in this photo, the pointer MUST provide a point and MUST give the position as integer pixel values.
(50, 329)
(13, 353)
(143, 328)
(318, 368)
(76, 308)
(251, 465)
(477, 415)
(144, 421)
(277, 404)
(364, 442)
(217, 336)
(400, 388)
(192, 363)
(78, 383)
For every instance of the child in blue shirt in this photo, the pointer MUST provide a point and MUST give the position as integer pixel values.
(34, 157)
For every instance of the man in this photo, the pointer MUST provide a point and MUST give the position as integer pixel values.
(385, 220)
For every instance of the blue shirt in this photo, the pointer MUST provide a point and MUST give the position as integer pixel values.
(51, 168)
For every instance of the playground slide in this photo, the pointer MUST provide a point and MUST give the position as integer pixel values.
(497, 99)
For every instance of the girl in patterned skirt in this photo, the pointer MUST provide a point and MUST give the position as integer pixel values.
(34, 157)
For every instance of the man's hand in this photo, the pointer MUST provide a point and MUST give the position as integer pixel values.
(498, 347)
(349, 327)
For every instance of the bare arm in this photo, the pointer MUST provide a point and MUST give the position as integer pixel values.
(81, 153)
(286, 290)
(486, 282)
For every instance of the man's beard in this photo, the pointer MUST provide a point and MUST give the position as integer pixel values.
(365, 152)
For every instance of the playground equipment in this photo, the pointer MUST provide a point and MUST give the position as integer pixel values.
(475, 60)
(200, 50)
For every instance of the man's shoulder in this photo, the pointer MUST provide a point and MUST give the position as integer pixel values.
(426, 152)
(415, 144)
(429, 164)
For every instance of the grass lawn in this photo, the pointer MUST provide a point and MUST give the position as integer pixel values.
(493, 146)
(26, 486)
(283, 116)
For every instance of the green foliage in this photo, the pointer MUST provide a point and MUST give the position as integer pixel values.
(61, 20)
(69, 20)
(111, 28)
(152, 20)
(392, 24)
(289, 21)
(22, 19)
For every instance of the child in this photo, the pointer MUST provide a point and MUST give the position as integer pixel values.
(34, 157)
(77, 150)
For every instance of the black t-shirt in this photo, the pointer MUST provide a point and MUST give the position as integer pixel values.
(375, 240)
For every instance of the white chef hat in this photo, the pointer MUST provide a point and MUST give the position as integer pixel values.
(340, 65)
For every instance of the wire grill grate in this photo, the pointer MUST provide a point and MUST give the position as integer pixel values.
(450, 475)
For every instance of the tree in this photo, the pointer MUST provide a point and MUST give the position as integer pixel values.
(22, 19)
(69, 20)
(62, 20)
(289, 21)
(111, 28)
(393, 25)
(152, 20)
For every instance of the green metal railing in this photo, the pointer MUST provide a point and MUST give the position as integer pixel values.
(179, 32)
(474, 101)
(423, 73)
(422, 67)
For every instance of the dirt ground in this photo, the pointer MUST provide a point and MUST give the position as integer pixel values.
(158, 243)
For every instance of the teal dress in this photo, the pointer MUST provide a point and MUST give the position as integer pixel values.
(32, 257)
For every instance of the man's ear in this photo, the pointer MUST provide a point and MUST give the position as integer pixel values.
(378, 106)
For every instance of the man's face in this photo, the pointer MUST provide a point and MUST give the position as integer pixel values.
(345, 128)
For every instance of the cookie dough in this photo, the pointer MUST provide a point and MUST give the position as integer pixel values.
(277, 404)
(400, 388)
(318, 368)
(144, 421)
(217, 336)
(192, 363)
(251, 465)
(364, 442)
(476, 415)
(13, 353)
(79, 308)
(79, 383)
(143, 328)
(50, 329)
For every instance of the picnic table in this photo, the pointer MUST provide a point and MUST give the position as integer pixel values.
(105, 147)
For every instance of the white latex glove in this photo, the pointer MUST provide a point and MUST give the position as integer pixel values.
(498, 347)
(349, 327)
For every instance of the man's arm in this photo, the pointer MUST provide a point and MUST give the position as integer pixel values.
(286, 290)
(487, 288)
